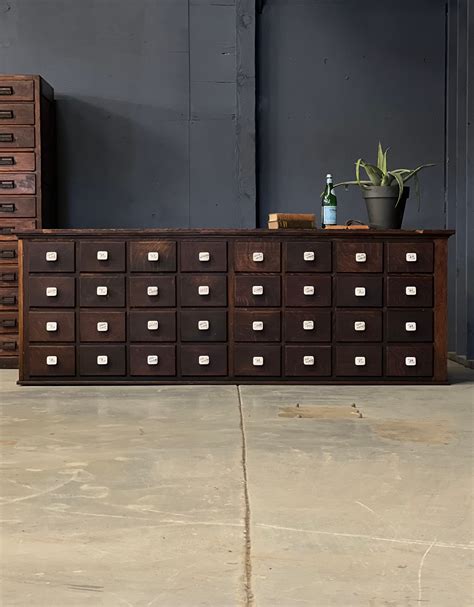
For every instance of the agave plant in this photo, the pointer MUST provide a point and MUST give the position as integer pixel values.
(379, 175)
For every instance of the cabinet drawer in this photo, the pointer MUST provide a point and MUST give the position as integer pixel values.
(102, 360)
(203, 325)
(359, 291)
(17, 161)
(307, 361)
(203, 256)
(257, 256)
(102, 326)
(257, 325)
(8, 298)
(103, 256)
(16, 90)
(152, 291)
(51, 256)
(12, 225)
(52, 291)
(308, 256)
(17, 113)
(257, 360)
(152, 325)
(409, 325)
(410, 291)
(204, 359)
(153, 360)
(362, 360)
(308, 325)
(99, 291)
(203, 290)
(409, 360)
(152, 256)
(12, 207)
(8, 275)
(9, 345)
(310, 290)
(8, 251)
(16, 137)
(8, 322)
(359, 325)
(359, 257)
(52, 361)
(257, 290)
(17, 183)
(51, 326)
(410, 257)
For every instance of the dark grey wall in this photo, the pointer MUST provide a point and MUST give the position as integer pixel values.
(151, 123)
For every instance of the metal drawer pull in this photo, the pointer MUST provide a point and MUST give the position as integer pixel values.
(411, 257)
(203, 325)
(7, 207)
(6, 91)
(204, 360)
(7, 253)
(6, 137)
(410, 361)
(152, 291)
(308, 255)
(51, 326)
(7, 161)
(361, 257)
(359, 325)
(102, 255)
(410, 291)
(258, 361)
(51, 256)
(153, 256)
(102, 360)
(101, 291)
(359, 291)
(9, 323)
(203, 290)
(7, 184)
(102, 326)
(152, 325)
(51, 291)
(257, 290)
(204, 256)
(359, 361)
(308, 325)
(8, 345)
(152, 359)
(410, 326)
(257, 325)
(7, 229)
(51, 361)
(6, 114)
(257, 256)
(308, 361)
(8, 300)
(308, 290)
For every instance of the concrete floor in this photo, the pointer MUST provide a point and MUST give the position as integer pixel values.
(198, 496)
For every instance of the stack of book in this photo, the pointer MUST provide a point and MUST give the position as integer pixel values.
(277, 221)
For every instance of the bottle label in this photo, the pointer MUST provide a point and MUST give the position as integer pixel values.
(329, 215)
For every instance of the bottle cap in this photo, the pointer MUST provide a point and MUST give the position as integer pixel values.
(329, 176)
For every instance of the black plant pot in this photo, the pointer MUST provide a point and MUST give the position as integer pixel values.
(382, 207)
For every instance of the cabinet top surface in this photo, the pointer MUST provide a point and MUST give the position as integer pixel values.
(231, 232)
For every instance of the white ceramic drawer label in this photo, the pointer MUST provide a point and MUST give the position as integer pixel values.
(203, 325)
(51, 361)
(204, 360)
(257, 325)
(153, 256)
(410, 290)
(359, 291)
(410, 326)
(359, 361)
(152, 359)
(411, 257)
(308, 290)
(361, 257)
(51, 256)
(308, 256)
(102, 360)
(101, 291)
(257, 256)
(204, 256)
(152, 291)
(102, 326)
(51, 326)
(51, 291)
(152, 325)
(308, 361)
(257, 361)
(203, 290)
(257, 290)
(102, 255)
(410, 361)
(308, 325)
(359, 325)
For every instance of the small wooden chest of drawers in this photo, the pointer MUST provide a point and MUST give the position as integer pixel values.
(234, 306)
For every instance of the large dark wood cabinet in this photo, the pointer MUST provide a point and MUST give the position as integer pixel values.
(26, 186)
(235, 306)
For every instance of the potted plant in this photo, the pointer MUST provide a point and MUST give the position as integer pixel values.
(385, 191)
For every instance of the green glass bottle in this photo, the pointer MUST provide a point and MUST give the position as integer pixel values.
(329, 204)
